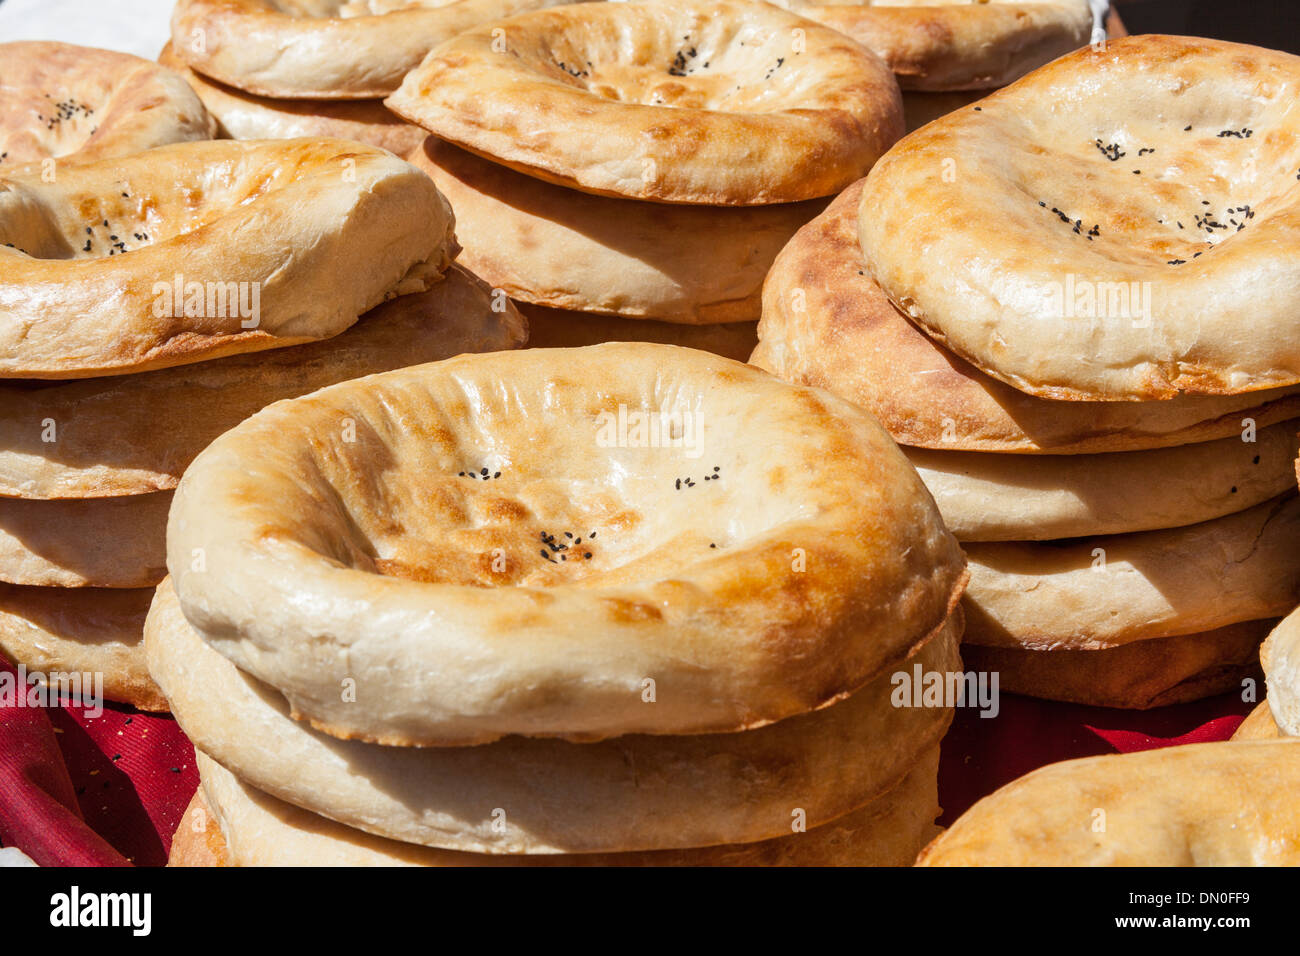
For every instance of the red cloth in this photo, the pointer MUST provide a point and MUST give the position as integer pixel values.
(83, 791)
(111, 790)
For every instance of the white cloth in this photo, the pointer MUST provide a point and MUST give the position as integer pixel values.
(131, 26)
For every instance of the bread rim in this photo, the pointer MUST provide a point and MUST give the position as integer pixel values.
(261, 47)
(1258, 725)
(97, 542)
(241, 115)
(131, 435)
(100, 313)
(639, 792)
(1280, 657)
(1217, 804)
(1071, 263)
(81, 104)
(1138, 676)
(985, 497)
(828, 324)
(306, 536)
(1047, 596)
(565, 329)
(940, 45)
(94, 631)
(794, 110)
(265, 831)
(558, 247)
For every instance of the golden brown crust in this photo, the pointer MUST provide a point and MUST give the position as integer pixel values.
(241, 115)
(268, 832)
(946, 45)
(80, 104)
(395, 519)
(570, 250)
(82, 630)
(1103, 229)
(1137, 676)
(130, 435)
(717, 103)
(225, 221)
(826, 323)
(198, 840)
(561, 329)
(1218, 804)
(328, 49)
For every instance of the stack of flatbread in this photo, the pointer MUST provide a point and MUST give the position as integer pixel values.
(467, 629)
(116, 369)
(1077, 320)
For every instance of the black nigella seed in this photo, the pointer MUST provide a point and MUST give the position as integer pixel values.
(497, 475)
(587, 555)
(1234, 489)
(1256, 460)
(484, 472)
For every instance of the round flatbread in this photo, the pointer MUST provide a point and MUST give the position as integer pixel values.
(265, 831)
(80, 104)
(324, 49)
(985, 497)
(958, 44)
(130, 435)
(233, 247)
(827, 323)
(1137, 676)
(241, 115)
(97, 542)
(83, 631)
(557, 247)
(1219, 804)
(1112, 590)
(635, 792)
(1107, 227)
(573, 522)
(720, 103)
